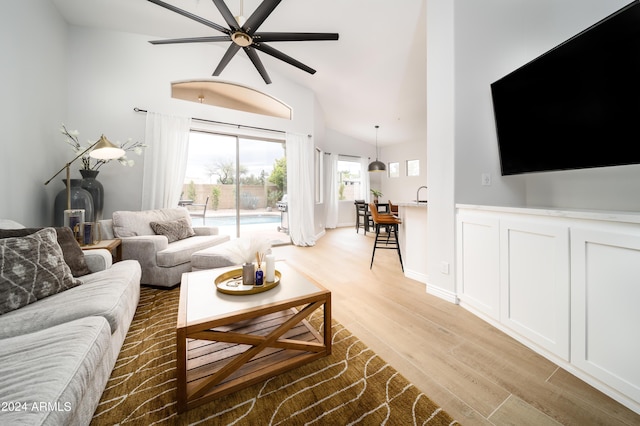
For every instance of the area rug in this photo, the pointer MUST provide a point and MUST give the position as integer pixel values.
(351, 386)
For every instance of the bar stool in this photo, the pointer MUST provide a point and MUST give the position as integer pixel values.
(388, 241)
(393, 208)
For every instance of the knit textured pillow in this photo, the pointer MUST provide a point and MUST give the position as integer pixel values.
(32, 268)
(73, 254)
(174, 230)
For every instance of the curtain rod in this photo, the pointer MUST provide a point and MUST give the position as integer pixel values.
(222, 122)
(136, 109)
(345, 155)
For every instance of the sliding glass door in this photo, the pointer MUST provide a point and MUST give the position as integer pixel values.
(243, 179)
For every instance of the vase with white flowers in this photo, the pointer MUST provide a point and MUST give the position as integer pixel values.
(90, 166)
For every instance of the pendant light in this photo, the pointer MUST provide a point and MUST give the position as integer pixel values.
(377, 166)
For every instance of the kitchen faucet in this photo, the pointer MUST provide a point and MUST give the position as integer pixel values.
(418, 193)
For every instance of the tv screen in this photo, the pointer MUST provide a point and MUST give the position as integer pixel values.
(576, 106)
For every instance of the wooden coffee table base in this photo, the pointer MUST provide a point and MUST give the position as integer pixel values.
(223, 355)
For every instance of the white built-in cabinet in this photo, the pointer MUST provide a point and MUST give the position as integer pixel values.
(565, 283)
(605, 305)
(534, 282)
(478, 263)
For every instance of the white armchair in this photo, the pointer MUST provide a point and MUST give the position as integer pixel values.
(163, 261)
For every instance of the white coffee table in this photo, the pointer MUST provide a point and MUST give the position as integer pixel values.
(228, 342)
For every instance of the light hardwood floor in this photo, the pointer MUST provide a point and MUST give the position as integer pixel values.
(472, 370)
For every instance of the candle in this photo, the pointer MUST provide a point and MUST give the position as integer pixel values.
(87, 237)
(270, 269)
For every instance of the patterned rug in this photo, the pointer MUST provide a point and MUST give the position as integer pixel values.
(351, 386)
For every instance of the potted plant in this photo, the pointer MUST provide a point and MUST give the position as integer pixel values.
(376, 194)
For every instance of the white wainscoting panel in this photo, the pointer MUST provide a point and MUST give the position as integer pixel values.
(478, 274)
(534, 272)
(605, 320)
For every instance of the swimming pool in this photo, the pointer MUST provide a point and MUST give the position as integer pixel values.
(252, 219)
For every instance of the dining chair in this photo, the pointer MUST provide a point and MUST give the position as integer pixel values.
(363, 216)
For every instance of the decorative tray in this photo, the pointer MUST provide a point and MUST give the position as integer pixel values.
(231, 283)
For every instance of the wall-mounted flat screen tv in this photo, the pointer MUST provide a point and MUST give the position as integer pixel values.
(576, 106)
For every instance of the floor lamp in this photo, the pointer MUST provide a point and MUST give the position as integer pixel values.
(102, 149)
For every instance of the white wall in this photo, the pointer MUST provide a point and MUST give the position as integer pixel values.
(338, 143)
(440, 144)
(404, 188)
(32, 106)
(111, 73)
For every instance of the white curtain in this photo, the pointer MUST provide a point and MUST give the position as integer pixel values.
(165, 160)
(366, 185)
(331, 192)
(300, 191)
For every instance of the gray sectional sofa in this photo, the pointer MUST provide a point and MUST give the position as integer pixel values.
(162, 240)
(57, 352)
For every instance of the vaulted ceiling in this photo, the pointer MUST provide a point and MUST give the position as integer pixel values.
(375, 74)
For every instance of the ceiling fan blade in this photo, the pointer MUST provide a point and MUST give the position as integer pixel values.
(259, 15)
(191, 16)
(227, 15)
(264, 37)
(251, 53)
(230, 53)
(191, 40)
(283, 57)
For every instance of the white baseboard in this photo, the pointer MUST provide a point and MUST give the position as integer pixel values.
(447, 295)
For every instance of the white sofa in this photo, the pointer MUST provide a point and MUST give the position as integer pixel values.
(57, 353)
(163, 262)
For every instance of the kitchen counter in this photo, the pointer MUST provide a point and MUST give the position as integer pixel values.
(412, 204)
(413, 239)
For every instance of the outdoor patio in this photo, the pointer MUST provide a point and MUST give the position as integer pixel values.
(260, 222)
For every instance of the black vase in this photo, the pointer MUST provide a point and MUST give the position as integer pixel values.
(96, 190)
(80, 199)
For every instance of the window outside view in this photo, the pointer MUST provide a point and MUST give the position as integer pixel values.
(240, 200)
(413, 167)
(349, 180)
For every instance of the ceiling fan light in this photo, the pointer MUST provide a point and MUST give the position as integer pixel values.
(241, 39)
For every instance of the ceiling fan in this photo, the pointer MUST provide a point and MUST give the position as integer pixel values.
(243, 35)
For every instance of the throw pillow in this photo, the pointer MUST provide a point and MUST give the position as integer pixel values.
(174, 230)
(73, 255)
(32, 268)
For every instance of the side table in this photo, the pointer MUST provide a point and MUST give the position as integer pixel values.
(111, 245)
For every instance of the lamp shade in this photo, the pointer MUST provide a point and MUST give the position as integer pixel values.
(105, 150)
(377, 166)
